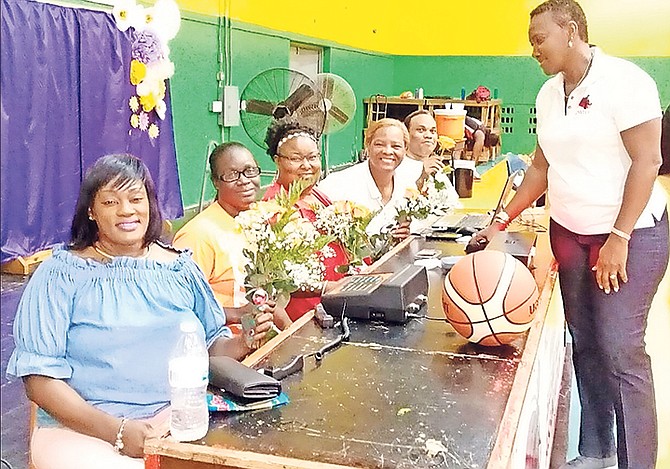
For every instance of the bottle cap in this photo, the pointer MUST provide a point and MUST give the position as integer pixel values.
(188, 326)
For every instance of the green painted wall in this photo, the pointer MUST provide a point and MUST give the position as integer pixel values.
(253, 49)
(193, 88)
(659, 68)
(252, 53)
(367, 74)
(518, 79)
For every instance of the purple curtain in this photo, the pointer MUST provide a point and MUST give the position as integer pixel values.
(65, 91)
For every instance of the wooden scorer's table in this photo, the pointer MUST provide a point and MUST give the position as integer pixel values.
(416, 395)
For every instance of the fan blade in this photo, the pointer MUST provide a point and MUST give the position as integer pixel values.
(299, 96)
(309, 111)
(276, 93)
(338, 114)
(256, 106)
(339, 99)
(327, 88)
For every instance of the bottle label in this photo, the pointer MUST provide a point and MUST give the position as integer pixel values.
(188, 372)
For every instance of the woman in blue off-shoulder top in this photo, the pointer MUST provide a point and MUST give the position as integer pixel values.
(98, 321)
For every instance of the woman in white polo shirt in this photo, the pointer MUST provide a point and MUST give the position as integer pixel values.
(376, 183)
(597, 156)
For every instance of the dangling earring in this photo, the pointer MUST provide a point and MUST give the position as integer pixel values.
(569, 42)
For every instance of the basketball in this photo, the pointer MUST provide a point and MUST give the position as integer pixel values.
(489, 297)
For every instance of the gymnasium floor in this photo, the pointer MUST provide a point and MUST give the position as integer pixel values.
(14, 408)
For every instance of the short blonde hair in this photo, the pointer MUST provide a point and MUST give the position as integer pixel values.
(386, 122)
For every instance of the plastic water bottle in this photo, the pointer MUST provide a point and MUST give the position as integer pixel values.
(188, 376)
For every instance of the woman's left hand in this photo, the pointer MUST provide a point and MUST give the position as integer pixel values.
(134, 435)
(610, 268)
(263, 324)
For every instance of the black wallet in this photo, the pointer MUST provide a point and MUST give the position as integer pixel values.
(240, 380)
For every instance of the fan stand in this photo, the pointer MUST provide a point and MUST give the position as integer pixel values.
(203, 187)
(328, 104)
(325, 142)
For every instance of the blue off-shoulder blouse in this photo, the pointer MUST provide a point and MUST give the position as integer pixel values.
(108, 329)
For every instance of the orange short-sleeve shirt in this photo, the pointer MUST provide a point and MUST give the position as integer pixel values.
(217, 243)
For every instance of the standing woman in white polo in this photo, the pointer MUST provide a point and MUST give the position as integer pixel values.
(598, 154)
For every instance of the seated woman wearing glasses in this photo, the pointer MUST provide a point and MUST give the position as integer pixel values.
(294, 149)
(213, 235)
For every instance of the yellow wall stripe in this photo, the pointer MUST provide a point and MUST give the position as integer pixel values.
(441, 27)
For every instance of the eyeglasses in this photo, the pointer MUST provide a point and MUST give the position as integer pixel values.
(232, 176)
(299, 159)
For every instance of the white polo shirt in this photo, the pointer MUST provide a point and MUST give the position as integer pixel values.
(356, 184)
(410, 168)
(588, 163)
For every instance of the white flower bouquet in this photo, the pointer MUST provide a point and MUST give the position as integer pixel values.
(285, 250)
(346, 222)
(437, 197)
(439, 192)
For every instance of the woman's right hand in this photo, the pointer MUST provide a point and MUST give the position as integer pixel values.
(401, 231)
(135, 433)
(483, 237)
(279, 316)
(64, 404)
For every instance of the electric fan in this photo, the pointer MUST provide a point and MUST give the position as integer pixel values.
(339, 100)
(279, 93)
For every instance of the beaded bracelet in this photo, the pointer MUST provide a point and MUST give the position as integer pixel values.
(620, 234)
(118, 444)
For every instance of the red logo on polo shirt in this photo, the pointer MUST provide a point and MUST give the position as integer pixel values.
(585, 103)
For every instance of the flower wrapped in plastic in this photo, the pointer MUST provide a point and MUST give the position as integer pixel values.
(346, 222)
(285, 251)
(439, 192)
(437, 197)
(413, 206)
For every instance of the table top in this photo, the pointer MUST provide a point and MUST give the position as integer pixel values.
(394, 396)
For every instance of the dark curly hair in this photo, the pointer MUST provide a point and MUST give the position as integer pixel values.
(123, 170)
(564, 11)
(282, 128)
